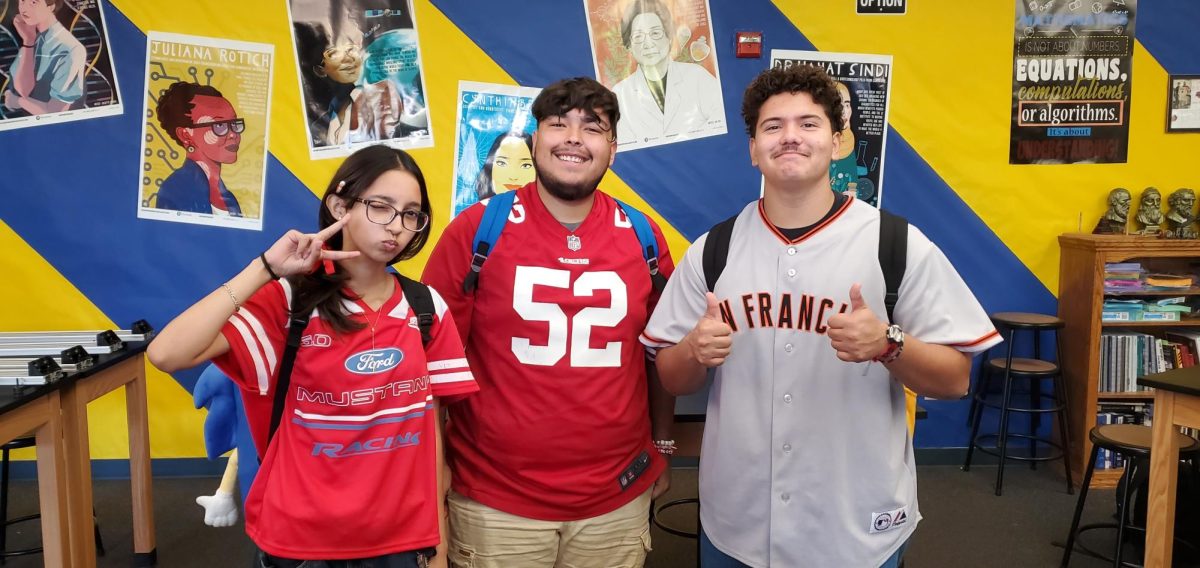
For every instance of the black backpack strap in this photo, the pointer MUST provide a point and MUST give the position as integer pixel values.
(421, 301)
(893, 252)
(716, 251)
(296, 326)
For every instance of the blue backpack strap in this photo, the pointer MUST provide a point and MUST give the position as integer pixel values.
(495, 216)
(649, 244)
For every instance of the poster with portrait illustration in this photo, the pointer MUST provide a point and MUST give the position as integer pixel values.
(204, 131)
(864, 83)
(55, 63)
(660, 59)
(1183, 112)
(493, 147)
(1072, 81)
(361, 81)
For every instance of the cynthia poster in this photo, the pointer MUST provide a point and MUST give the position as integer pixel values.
(863, 83)
(204, 139)
(55, 63)
(493, 148)
(361, 81)
(1072, 72)
(660, 59)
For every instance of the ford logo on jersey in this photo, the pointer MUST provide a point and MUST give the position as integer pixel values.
(374, 361)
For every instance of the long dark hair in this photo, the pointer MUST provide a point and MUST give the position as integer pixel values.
(325, 292)
(483, 182)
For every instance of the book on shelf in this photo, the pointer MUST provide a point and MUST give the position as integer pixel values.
(1127, 356)
(1162, 280)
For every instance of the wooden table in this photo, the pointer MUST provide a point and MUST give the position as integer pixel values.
(1176, 403)
(38, 410)
(126, 369)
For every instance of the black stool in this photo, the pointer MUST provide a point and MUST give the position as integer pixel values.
(16, 444)
(1033, 371)
(1133, 442)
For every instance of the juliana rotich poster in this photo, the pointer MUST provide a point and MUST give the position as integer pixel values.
(55, 63)
(361, 80)
(493, 148)
(864, 83)
(660, 59)
(1072, 73)
(204, 135)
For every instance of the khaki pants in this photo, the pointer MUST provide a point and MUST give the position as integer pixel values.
(482, 537)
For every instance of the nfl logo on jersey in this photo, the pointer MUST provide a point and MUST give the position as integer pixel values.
(574, 243)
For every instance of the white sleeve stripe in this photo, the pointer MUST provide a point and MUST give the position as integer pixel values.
(447, 364)
(264, 379)
(287, 292)
(451, 377)
(439, 305)
(261, 336)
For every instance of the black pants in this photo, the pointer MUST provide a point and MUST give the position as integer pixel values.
(412, 559)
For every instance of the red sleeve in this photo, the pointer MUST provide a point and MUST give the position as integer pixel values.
(256, 334)
(449, 375)
(448, 266)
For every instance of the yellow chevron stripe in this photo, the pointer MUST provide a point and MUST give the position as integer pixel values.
(175, 426)
(951, 99)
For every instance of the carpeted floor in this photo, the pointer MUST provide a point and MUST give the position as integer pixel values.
(964, 524)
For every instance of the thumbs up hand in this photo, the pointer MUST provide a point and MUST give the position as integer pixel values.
(712, 339)
(857, 335)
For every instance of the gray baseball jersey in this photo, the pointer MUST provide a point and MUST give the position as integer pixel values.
(806, 459)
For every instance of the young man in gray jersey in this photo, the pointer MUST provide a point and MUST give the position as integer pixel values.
(807, 459)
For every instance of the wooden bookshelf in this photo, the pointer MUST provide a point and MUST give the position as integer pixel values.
(1124, 396)
(1106, 478)
(1080, 300)
(1181, 323)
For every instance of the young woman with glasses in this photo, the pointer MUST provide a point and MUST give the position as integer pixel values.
(353, 474)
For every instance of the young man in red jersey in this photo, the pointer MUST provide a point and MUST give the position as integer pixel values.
(555, 460)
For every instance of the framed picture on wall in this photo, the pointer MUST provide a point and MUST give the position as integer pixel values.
(1183, 103)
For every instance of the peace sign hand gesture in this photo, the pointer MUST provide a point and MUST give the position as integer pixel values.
(299, 253)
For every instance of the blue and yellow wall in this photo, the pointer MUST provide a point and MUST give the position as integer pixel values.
(76, 256)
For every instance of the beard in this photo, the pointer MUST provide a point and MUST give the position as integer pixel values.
(564, 190)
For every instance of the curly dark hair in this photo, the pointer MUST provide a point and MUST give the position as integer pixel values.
(175, 106)
(325, 291)
(579, 93)
(808, 79)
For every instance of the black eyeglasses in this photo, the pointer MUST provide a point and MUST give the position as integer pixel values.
(222, 127)
(381, 213)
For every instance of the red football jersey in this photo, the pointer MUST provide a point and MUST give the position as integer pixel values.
(552, 338)
(351, 472)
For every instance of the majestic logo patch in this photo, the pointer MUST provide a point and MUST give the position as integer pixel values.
(374, 361)
(888, 520)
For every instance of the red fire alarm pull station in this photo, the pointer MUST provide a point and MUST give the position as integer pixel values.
(749, 44)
